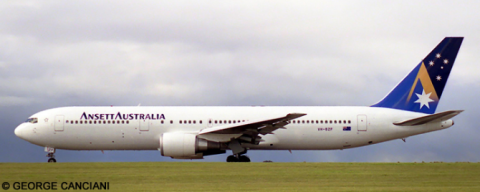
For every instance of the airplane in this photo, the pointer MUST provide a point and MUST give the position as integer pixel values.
(194, 132)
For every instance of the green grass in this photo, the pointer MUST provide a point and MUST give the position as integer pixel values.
(198, 176)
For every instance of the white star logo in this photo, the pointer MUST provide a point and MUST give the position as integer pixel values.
(438, 55)
(431, 63)
(441, 67)
(439, 78)
(445, 61)
(424, 99)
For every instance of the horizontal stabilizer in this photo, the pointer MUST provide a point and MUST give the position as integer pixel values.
(429, 118)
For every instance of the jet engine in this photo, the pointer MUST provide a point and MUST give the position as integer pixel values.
(188, 146)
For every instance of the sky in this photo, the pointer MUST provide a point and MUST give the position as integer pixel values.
(234, 53)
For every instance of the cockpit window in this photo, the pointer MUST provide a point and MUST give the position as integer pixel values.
(32, 120)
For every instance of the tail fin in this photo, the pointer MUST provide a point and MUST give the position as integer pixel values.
(420, 91)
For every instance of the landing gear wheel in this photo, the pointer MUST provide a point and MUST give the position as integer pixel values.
(232, 158)
(52, 158)
(243, 158)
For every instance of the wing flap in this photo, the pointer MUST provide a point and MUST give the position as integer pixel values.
(442, 116)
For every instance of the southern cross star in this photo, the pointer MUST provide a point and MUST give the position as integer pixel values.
(424, 99)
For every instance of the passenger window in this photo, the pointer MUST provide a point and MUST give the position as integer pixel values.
(330, 121)
(200, 121)
(189, 122)
(348, 121)
(160, 122)
(76, 122)
(180, 121)
(303, 121)
(171, 121)
(90, 122)
(308, 121)
(104, 122)
(129, 122)
(71, 122)
(215, 121)
(123, 122)
(194, 122)
(67, 121)
(229, 121)
(94, 122)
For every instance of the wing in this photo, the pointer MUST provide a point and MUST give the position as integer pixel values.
(247, 131)
(442, 116)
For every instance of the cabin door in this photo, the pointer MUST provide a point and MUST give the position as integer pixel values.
(59, 122)
(362, 123)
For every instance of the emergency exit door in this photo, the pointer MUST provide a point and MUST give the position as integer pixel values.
(144, 124)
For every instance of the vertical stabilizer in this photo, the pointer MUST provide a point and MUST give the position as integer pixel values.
(421, 89)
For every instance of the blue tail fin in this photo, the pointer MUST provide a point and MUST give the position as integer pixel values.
(420, 91)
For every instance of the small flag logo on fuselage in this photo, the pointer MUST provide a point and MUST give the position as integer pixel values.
(348, 128)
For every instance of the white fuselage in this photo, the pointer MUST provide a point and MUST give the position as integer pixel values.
(106, 128)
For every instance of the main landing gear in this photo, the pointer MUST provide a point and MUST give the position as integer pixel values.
(238, 158)
(238, 152)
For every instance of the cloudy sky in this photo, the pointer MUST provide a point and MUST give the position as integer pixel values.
(235, 53)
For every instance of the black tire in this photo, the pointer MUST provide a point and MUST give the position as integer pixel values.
(244, 158)
(52, 160)
(232, 158)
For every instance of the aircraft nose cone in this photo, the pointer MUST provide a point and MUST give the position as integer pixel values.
(19, 131)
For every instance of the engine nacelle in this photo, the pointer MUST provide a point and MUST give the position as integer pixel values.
(187, 146)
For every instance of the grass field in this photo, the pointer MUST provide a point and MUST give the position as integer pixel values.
(197, 176)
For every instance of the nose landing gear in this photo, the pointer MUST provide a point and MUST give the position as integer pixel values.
(51, 152)
(52, 158)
